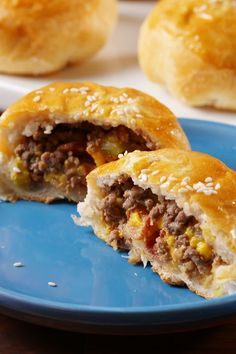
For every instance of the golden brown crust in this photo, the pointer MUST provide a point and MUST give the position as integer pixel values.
(190, 46)
(108, 106)
(77, 102)
(39, 37)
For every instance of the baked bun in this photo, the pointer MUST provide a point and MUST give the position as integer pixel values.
(51, 138)
(190, 46)
(42, 36)
(175, 209)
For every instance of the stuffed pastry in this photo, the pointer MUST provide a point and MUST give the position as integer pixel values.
(42, 36)
(190, 47)
(173, 208)
(53, 137)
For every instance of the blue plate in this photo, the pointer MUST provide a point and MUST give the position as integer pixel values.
(97, 289)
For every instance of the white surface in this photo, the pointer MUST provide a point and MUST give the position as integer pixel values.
(116, 65)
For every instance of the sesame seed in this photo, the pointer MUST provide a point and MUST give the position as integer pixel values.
(162, 179)
(183, 183)
(36, 98)
(122, 99)
(91, 98)
(16, 169)
(18, 264)
(186, 179)
(139, 116)
(182, 190)
(208, 179)
(217, 186)
(130, 100)
(52, 89)
(133, 121)
(233, 233)
(52, 284)
(143, 177)
(39, 92)
(66, 90)
(165, 185)
(172, 179)
(87, 103)
(74, 90)
(101, 111)
(94, 107)
(125, 94)
(155, 172)
(189, 188)
(209, 184)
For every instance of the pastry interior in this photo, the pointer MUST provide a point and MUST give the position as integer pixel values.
(62, 157)
(156, 230)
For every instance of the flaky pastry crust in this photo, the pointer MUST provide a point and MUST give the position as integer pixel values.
(39, 37)
(190, 46)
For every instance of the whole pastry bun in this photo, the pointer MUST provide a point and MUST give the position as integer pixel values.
(42, 36)
(190, 46)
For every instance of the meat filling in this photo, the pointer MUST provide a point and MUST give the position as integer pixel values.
(65, 157)
(168, 234)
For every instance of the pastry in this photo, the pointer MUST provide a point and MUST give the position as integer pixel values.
(43, 36)
(173, 208)
(190, 46)
(51, 138)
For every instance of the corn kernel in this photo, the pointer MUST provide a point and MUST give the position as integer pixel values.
(193, 242)
(204, 250)
(170, 240)
(135, 219)
(189, 232)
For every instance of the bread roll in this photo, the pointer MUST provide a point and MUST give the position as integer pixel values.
(51, 138)
(42, 36)
(173, 208)
(190, 46)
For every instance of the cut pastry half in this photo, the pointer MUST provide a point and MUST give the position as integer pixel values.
(174, 209)
(53, 137)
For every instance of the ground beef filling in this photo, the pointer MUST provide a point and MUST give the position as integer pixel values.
(64, 157)
(168, 233)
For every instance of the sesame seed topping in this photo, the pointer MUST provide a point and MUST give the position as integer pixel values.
(39, 92)
(162, 179)
(217, 186)
(172, 179)
(74, 90)
(52, 284)
(186, 179)
(165, 185)
(18, 265)
(208, 179)
(87, 103)
(155, 172)
(16, 169)
(37, 98)
(130, 100)
(52, 89)
(133, 121)
(125, 94)
(233, 233)
(182, 190)
(209, 184)
(122, 99)
(139, 115)
(143, 177)
(66, 90)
